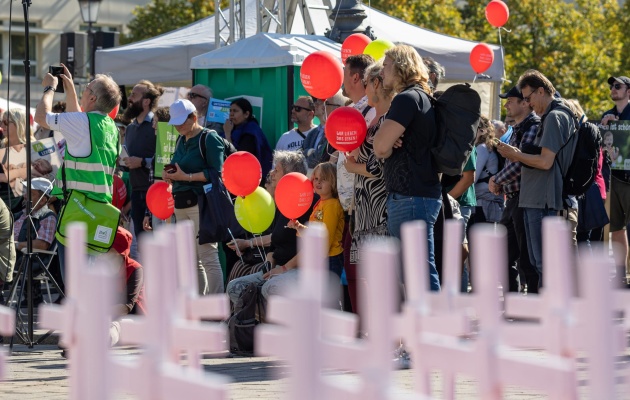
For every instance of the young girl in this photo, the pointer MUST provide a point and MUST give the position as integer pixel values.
(327, 210)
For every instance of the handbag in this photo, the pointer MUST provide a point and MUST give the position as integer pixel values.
(591, 210)
(217, 220)
(101, 219)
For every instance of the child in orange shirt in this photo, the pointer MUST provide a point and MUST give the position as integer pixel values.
(328, 211)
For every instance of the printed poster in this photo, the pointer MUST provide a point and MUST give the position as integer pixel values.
(218, 111)
(46, 158)
(165, 147)
(616, 138)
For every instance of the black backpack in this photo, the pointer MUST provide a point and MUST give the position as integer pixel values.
(243, 321)
(584, 163)
(457, 113)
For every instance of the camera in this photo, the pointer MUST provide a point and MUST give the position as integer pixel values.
(170, 168)
(56, 70)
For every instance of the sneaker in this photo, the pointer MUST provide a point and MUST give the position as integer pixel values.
(401, 358)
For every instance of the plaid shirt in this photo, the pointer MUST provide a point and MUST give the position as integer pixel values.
(46, 231)
(509, 178)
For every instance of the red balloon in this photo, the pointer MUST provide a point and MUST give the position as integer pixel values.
(345, 128)
(113, 113)
(497, 13)
(294, 195)
(481, 58)
(353, 45)
(321, 74)
(160, 200)
(241, 173)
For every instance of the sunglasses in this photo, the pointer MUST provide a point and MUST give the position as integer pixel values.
(616, 86)
(192, 96)
(298, 108)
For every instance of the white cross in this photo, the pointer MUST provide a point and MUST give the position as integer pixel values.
(155, 374)
(175, 293)
(7, 328)
(485, 358)
(84, 318)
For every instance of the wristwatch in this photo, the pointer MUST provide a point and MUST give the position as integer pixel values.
(143, 163)
(48, 88)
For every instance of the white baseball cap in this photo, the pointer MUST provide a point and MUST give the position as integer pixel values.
(180, 110)
(41, 184)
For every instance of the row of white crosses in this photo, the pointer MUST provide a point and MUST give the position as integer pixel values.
(172, 324)
(431, 324)
(312, 338)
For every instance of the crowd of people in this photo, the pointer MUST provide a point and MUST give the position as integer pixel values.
(513, 177)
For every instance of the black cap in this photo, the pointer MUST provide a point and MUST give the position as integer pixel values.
(621, 79)
(514, 92)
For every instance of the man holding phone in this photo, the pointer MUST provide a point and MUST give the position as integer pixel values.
(91, 136)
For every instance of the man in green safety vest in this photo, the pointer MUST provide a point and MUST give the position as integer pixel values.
(91, 136)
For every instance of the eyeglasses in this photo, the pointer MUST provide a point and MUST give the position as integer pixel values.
(192, 96)
(528, 98)
(91, 91)
(333, 105)
(616, 86)
(298, 108)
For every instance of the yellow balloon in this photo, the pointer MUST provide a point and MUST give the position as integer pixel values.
(377, 48)
(255, 211)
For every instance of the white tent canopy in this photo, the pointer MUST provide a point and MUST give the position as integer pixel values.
(166, 58)
(266, 50)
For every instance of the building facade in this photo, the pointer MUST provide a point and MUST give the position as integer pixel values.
(48, 19)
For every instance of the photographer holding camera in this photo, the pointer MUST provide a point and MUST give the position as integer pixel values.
(91, 136)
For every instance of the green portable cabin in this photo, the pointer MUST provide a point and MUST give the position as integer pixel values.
(265, 69)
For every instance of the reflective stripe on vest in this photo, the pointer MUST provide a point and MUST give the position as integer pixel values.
(83, 166)
(93, 175)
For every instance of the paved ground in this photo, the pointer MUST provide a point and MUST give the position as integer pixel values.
(41, 373)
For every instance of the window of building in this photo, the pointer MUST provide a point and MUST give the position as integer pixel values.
(18, 54)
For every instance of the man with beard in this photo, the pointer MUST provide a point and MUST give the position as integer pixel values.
(140, 143)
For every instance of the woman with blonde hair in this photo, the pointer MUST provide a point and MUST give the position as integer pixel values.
(12, 167)
(370, 195)
(404, 140)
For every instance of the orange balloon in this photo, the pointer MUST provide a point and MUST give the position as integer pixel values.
(353, 45)
(294, 195)
(241, 173)
(497, 13)
(345, 128)
(321, 74)
(160, 200)
(481, 58)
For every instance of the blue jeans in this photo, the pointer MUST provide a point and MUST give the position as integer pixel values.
(335, 264)
(533, 229)
(401, 209)
(466, 212)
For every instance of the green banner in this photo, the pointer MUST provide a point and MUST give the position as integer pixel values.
(166, 138)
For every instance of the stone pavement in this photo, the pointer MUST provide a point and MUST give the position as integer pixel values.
(41, 373)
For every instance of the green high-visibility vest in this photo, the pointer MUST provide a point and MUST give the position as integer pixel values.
(93, 175)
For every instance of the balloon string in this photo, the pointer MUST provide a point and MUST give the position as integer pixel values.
(503, 55)
(507, 30)
(474, 79)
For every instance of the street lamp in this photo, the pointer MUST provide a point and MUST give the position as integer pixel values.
(89, 13)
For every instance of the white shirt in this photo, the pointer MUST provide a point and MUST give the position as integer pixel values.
(291, 140)
(75, 128)
(345, 179)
